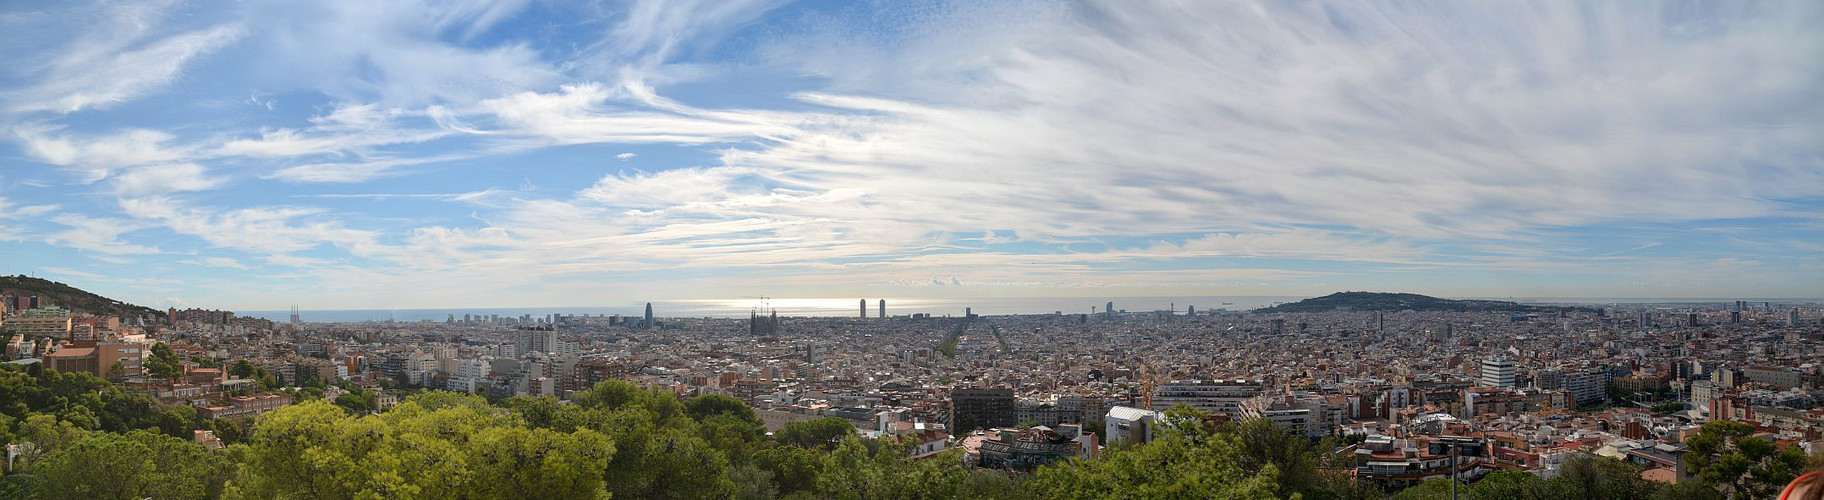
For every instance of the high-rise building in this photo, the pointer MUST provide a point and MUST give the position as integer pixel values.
(1109, 309)
(1498, 371)
(1792, 317)
(883, 308)
(533, 340)
(972, 409)
(648, 324)
(864, 308)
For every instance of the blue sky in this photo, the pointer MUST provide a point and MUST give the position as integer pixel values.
(358, 154)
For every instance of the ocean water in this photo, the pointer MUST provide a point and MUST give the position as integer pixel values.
(849, 307)
(739, 308)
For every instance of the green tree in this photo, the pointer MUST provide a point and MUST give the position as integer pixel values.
(988, 484)
(353, 402)
(163, 362)
(1594, 477)
(1171, 467)
(752, 482)
(6, 429)
(610, 394)
(1435, 489)
(242, 369)
(131, 467)
(820, 434)
(511, 462)
(667, 464)
(1264, 443)
(1515, 485)
(707, 405)
(1689, 490)
(795, 469)
(538, 411)
(1727, 455)
(230, 430)
(47, 435)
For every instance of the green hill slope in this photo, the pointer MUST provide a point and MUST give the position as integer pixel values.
(72, 298)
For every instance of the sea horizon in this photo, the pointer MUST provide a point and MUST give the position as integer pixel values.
(850, 307)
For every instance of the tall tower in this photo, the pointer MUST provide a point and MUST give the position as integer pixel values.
(294, 315)
(1109, 309)
(648, 325)
(882, 309)
(864, 308)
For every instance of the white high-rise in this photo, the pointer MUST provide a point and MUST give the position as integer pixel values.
(1498, 371)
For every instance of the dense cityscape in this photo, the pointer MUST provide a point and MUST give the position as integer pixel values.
(911, 249)
(1392, 398)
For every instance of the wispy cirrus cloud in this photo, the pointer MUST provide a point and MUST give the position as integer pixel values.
(1060, 146)
(115, 60)
(99, 235)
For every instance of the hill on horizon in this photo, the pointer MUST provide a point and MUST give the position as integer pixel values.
(1386, 301)
(72, 298)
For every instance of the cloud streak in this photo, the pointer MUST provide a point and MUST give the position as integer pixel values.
(1056, 146)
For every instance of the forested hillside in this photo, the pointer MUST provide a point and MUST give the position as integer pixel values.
(72, 298)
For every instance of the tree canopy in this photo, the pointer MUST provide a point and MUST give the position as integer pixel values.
(90, 439)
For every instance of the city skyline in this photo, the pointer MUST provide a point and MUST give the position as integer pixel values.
(349, 155)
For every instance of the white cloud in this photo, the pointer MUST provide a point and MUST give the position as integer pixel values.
(275, 231)
(400, 54)
(76, 273)
(581, 114)
(94, 157)
(1092, 145)
(223, 262)
(13, 211)
(165, 179)
(113, 62)
(100, 235)
(353, 172)
(349, 129)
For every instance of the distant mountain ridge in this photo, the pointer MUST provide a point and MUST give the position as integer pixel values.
(72, 298)
(1381, 301)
